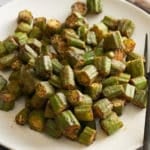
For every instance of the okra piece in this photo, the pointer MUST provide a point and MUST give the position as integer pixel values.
(55, 81)
(35, 32)
(52, 129)
(129, 45)
(40, 22)
(139, 82)
(86, 75)
(44, 90)
(135, 68)
(3, 82)
(102, 108)
(3, 50)
(82, 31)
(110, 54)
(87, 136)
(25, 16)
(67, 78)
(79, 7)
(103, 65)
(15, 75)
(88, 57)
(91, 38)
(113, 41)
(118, 106)
(7, 101)
(112, 80)
(69, 33)
(23, 27)
(113, 91)
(53, 26)
(132, 56)
(58, 102)
(94, 6)
(91, 124)
(117, 66)
(16, 65)
(126, 27)
(43, 67)
(140, 98)
(101, 30)
(87, 100)
(75, 20)
(27, 53)
(14, 88)
(84, 112)
(48, 113)
(124, 78)
(68, 124)
(110, 22)
(7, 60)
(94, 90)
(10, 44)
(21, 38)
(111, 124)
(76, 42)
(36, 120)
(22, 116)
(129, 91)
(74, 97)
(57, 66)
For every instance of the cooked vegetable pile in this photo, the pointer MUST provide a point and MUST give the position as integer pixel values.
(72, 74)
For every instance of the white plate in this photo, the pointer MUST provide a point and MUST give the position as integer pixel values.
(22, 138)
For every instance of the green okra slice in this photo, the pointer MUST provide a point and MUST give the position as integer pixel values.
(67, 78)
(79, 7)
(3, 50)
(87, 136)
(36, 120)
(126, 27)
(140, 98)
(139, 82)
(58, 102)
(57, 66)
(124, 77)
(103, 65)
(69, 33)
(40, 22)
(102, 108)
(117, 66)
(82, 31)
(94, 6)
(133, 56)
(135, 68)
(7, 101)
(87, 100)
(86, 75)
(14, 88)
(52, 129)
(55, 81)
(110, 54)
(91, 124)
(113, 41)
(74, 97)
(7, 60)
(43, 67)
(75, 20)
(48, 113)
(110, 22)
(101, 30)
(3, 82)
(25, 16)
(10, 44)
(118, 105)
(44, 90)
(112, 80)
(129, 91)
(22, 116)
(27, 53)
(111, 124)
(88, 57)
(68, 124)
(84, 112)
(21, 38)
(94, 90)
(24, 27)
(91, 38)
(113, 91)
(35, 32)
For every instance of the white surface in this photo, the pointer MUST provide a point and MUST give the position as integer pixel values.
(22, 138)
